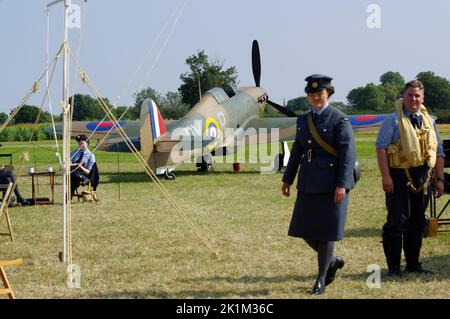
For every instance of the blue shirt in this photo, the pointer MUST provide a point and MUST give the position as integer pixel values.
(88, 158)
(321, 109)
(389, 133)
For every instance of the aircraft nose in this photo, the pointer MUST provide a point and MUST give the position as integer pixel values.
(257, 93)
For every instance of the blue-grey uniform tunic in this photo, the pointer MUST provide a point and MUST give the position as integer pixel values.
(315, 215)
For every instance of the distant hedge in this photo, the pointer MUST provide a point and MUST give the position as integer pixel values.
(23, 132)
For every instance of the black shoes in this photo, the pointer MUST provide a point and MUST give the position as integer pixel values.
(25, 202)
(395, 272)
(331, 273)
(318, 288)
(418, 270)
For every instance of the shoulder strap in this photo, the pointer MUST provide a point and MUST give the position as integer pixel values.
(312, 128)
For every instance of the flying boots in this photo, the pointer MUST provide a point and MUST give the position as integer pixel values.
(392, 247)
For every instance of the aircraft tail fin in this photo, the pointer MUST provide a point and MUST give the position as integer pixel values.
(152, 126)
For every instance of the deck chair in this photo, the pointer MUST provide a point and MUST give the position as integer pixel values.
(90, 193)
(4, 208)
(7, 290)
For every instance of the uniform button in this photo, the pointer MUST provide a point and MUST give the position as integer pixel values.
(331, 164)
(324, 129)
(309, 141)
(298, 129)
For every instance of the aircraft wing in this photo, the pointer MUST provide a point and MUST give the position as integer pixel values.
(287, 125)
(118, 144)
(98, 130)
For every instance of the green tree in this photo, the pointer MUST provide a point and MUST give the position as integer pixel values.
(3, 117)
(86, 108)
(298, 105)
(29, 114)
(208, 73)
(340, 105)
(170, 105)
(139, 97)
(119, 111)
(369, 97)
(391, 93)
(393, 78)
(437, 90)
(392, 84)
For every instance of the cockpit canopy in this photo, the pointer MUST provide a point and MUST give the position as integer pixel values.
(219, 94)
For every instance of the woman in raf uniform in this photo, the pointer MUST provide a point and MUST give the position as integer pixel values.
(324, 180)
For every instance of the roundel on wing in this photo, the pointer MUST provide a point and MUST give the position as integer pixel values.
(364, 120)
(102, 126)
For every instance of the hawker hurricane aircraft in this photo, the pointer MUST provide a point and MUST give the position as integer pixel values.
(221, 120)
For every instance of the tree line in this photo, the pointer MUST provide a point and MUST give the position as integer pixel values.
(380, 98)
(205, 73)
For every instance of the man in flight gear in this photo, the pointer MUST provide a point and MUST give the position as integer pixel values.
(410, 157)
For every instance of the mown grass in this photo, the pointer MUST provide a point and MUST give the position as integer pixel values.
(138, 247)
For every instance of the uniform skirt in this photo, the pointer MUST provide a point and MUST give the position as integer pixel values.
(317, 217)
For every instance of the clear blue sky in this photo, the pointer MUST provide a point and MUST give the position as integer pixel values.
(296, 38)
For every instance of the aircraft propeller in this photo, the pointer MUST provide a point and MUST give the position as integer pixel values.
(256, 67)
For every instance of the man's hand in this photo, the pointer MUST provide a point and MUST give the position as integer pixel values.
(286, 189)
(438, 188)
(339, 194)
(388, 184)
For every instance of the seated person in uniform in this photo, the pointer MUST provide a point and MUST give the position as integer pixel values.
(7, 177)
(82, 161)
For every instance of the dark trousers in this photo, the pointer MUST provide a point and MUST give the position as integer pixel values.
(76, 178)
(405, 219)
(7, 177)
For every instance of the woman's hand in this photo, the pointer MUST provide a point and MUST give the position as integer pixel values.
(286, 189)
(339, 194)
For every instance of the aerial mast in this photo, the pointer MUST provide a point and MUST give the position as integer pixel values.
(66, 128)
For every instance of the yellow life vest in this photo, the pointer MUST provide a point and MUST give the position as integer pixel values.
(415, 146)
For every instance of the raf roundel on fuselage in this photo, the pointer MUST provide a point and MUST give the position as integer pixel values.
(358, 121)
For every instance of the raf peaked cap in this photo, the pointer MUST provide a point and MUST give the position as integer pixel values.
(317, 83)
(81, 137)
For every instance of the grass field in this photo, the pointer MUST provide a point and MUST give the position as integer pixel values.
(138, 247)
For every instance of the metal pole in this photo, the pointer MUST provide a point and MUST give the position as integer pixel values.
(66, 136)
(63, 255)
(47, 40)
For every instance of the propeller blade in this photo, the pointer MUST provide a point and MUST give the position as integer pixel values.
(282, 109)
(256, 63)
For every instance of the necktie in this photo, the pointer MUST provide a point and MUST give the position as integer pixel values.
(414, 121)
(315, 116)
(80, 157)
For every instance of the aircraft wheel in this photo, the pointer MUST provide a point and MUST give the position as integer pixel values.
(205, 165)
(169, 176)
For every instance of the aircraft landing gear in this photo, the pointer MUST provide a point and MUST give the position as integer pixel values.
(205, 165)
(278, 162)
(169, 176)
(282, 158)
